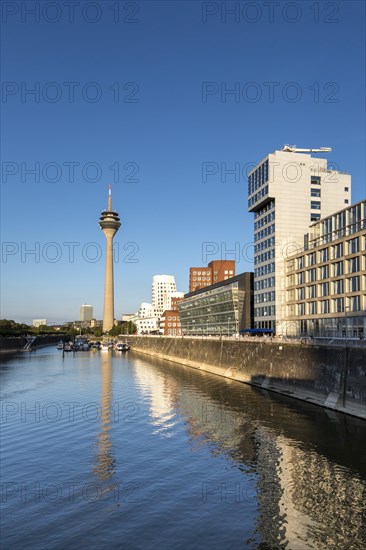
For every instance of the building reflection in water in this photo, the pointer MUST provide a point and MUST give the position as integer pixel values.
(309, 483)
(105, 461)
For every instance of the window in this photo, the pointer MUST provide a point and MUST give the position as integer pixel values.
(324, 289)
(314, 217)
(312, 308)
(346, 201)
(300, 262)
(311, 290)
(312, 258)
(315, 180)
(311, 275)
(353, 265)
(338, 305)
(353, 246)
(338, 287)
(355, 303)
(338, 250)
(324, 306)
(315, 192)
(315, 205)
(324, 272)
(353, 284)
(301, 309)
(337, 269)
(301, 278)
(301, 293)
(324, 255)
(346, 189)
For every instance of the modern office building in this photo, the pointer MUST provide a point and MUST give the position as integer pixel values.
(109, 224)
(216, 271)
(224, 308)
(326, 281)
(162, 286)
(287, 191)
(86, 312)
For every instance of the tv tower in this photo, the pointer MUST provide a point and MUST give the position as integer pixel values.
(109, 223)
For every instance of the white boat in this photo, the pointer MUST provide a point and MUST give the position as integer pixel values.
(60, 345)
(107, 346)
(122, 347)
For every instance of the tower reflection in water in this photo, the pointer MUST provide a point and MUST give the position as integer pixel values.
(105, 461)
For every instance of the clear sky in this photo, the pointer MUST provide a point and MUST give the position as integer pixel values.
(142, 89)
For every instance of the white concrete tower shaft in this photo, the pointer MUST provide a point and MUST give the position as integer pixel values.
(109, 223)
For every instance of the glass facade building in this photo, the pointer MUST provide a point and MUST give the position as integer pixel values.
(326, 281)
(224, 308)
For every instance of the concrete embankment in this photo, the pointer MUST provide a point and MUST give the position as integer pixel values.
(333, 377)
(17, 343)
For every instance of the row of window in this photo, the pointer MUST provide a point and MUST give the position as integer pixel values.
(334, 305)
(258, 178)
(266, 311)
(336, 269)
(264, 257)
(351, 284)
(264, 269)
(343, 223)
(260, 194)
(266, 208)
(268, 243)
(338, 250)
(264, 221)
(269, 282)
(264, 297)
(264, 232)
(201, 272)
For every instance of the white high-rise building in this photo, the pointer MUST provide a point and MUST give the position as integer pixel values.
(162, 287)
(287, 191)
(86, 312)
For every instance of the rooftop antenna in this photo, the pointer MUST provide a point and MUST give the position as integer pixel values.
(109, 198)
(294, 149)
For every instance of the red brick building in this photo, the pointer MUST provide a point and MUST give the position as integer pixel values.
(216, 271)
(170, 322)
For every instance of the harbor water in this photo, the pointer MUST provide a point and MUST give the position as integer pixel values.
(120, 450)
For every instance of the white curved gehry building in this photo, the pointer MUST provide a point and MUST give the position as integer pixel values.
(162, 286)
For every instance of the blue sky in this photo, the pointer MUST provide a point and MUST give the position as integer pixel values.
(139, 101)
